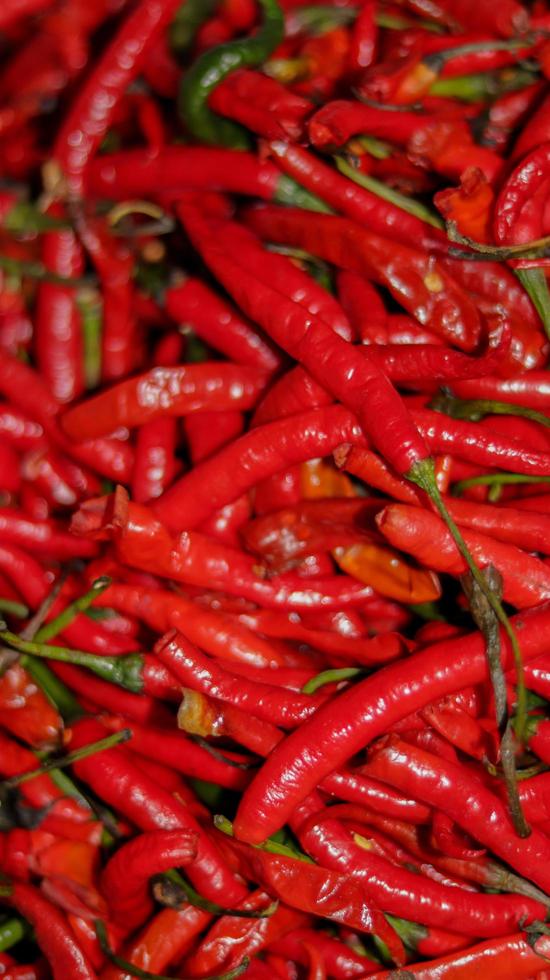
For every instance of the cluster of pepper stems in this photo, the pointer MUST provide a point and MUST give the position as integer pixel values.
(274, 528)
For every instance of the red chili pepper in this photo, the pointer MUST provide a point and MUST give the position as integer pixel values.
(418, 772)
(364, 207)
(470, 442)
(403, 892)
(510, 18)
(41, 791)
(261, 104)
(125, 878)
(339, 959)
(526, 579)
(21, 8)
(92, 111)
(150, 807)
(66, 959)
(212, 631)
(163, 941)
(520, 206)
(166, 392)
(199, 561)
(58, 332)
(372, 706)
(270, 448)
(266, 701)
(415, 281)
(173, 749)
(230, 938)
(216, 322)
(487, 961)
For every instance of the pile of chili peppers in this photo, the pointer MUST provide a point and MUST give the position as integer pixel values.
(274, 489)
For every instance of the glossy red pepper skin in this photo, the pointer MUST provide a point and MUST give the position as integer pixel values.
(323, 743)
(165, 392)
(470, 442)
(59, 348)
(125, 878)
(520, 214)
(327, 356)
(492, 960)
(526, 579)
(406, 766)
(53, 934)
(398, 890)
(261, 104)
(214, 632)
(217, 323)
(355, 202)
(93, 109)
(151, 807)
(41, 791)
(143, 542)
(265, 701)
(419, 284)
(337, 121)
(270, 449)
(535, 131)
(172, 169)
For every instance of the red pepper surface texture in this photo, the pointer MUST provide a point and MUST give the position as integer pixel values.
(274, 489)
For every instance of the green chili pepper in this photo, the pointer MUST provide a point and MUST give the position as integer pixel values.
(213, 66)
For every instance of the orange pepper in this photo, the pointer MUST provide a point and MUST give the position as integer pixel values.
(321, 479)
(77, 860)
(469, 206)
(388, 573)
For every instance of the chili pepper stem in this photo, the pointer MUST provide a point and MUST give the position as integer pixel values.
(172, 890)
(54, 689)
(388, 193)
(534, 282)
(105, 743)
(66, 617)
(124, 671)
(423, 475)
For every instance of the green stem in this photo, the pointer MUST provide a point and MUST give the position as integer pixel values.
(496, 479)
(54, 689)
(13, 608)
(375, 147)
(174, 891)
(92, 749)
(288, 191)
(482, 85)
(24, 219)
(423, 475)
(331, 677)
(534, 282)
(36, 270)
(90, 308)
(124, 671)
(135, 971)
(271, 846)
(213, 66)
(66, 617)
(537, 249)
(38, 618)
(382, 190)
(11, 932)
(476, 409)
